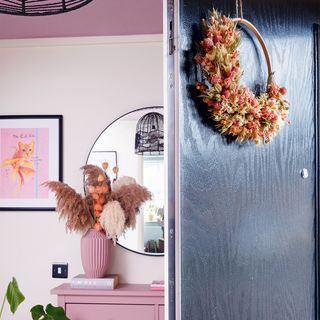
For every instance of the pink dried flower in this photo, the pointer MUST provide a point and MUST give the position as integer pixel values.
(227, 82)
(217, 105)
(214, 79)
(217, 38)
(226, 93)
(254, 102)
(283, 91)
(207, 44)
(240, 99)
(256, 113)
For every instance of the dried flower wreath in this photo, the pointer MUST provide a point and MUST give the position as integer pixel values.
(234, 108)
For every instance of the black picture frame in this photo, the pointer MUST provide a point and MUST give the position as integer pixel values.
(31, 152)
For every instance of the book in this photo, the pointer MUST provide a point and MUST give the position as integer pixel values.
(109, 282)
(157, 285)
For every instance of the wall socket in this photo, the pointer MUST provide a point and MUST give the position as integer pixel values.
(60, 270)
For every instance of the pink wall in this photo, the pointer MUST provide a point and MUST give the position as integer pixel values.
(98, 18)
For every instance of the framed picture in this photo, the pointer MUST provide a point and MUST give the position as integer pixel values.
(30, 154)
(99, 157)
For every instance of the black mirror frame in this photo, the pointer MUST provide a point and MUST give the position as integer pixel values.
(91, 149)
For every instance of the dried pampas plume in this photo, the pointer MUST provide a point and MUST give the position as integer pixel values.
(95, 176)
(70, 206)
(123, 181)
(130, 195)
(113, 220)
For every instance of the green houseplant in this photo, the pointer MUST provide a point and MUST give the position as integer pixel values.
(15, 297)
(50, 313)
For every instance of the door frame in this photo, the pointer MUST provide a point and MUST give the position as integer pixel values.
(316, 37)
(171, 124)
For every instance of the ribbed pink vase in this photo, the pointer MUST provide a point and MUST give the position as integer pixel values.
(95, 253)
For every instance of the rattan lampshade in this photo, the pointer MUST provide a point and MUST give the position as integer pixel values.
(149, 134)
(40, 7)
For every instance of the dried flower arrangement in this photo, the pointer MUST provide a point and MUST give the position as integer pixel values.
(107, 207)
(235, 109)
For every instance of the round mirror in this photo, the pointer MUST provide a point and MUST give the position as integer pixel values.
(134, 144)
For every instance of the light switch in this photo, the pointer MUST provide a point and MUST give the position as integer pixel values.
(60, 270)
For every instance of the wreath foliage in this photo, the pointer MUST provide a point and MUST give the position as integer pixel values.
(234, 108)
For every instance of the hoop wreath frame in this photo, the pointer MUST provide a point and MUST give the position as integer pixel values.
(234, 109)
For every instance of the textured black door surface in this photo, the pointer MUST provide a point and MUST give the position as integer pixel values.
(247, 215)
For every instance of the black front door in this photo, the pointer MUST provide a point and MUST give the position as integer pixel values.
(247, 216)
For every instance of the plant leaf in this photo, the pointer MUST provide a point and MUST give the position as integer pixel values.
(37, 312)
(14, 295)
(51, 313)
(56, 313)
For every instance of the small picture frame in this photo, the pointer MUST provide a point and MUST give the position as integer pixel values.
(99, 157)
(30, 154)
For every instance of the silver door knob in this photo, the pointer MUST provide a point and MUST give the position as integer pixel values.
(304, 173)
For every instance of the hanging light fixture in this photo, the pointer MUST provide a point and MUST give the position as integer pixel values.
(40, 7)
(149, 134)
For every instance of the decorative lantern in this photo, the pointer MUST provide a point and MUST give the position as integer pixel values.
(149, 134)
(39, 7)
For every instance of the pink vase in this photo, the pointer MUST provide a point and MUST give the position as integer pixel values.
(95, 253)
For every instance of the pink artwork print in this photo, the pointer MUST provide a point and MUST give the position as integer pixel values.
(24, 157)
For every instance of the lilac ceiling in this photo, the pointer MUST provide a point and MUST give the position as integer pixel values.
(98, 18)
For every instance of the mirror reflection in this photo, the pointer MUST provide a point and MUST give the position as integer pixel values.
(134, 143)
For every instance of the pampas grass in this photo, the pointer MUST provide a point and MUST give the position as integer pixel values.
(71, 206)
(131, 196)
(114, 211)
(113, 220)
(123, 181)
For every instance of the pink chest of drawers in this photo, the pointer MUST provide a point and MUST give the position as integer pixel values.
(128, 301)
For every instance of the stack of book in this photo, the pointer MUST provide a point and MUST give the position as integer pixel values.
(157, 285)
(109, 282)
